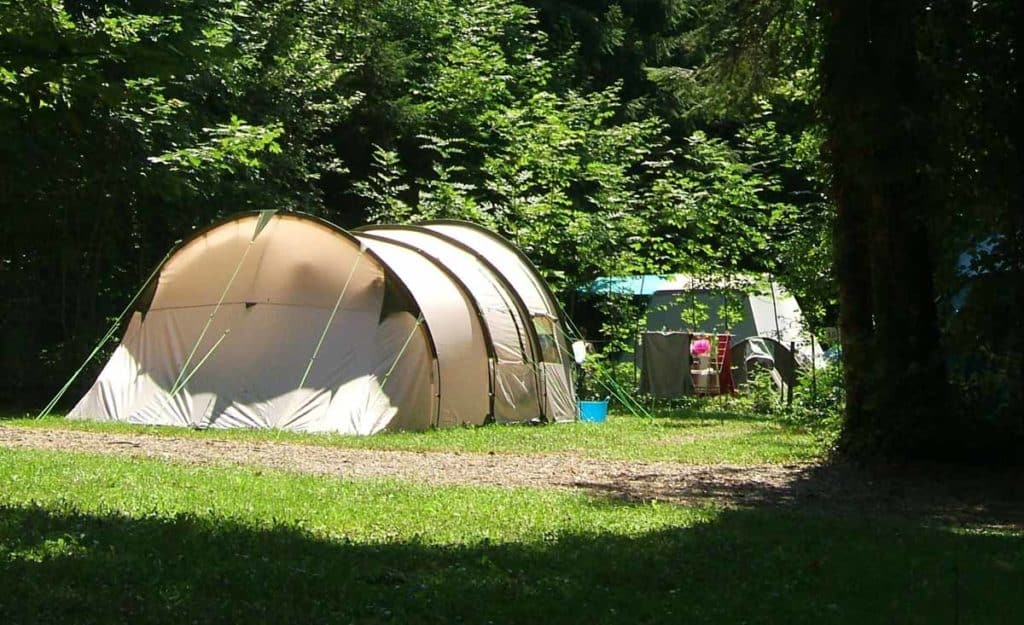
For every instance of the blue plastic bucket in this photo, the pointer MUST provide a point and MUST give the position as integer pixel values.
(594, 411)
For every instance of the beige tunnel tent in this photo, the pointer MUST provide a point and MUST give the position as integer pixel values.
(282, 320)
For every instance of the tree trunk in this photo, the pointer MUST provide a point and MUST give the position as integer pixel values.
(897, 389)
(854, 278)
(1014, 232)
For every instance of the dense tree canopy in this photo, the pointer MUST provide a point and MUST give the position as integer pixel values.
(604, 137)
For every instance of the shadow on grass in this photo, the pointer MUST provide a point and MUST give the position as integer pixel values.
(929, 495)
(745, 566)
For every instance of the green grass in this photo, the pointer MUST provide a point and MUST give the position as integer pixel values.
(90, 539)
(688, 437)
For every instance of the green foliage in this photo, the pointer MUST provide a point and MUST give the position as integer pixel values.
(622, 316)
(227, 147)
(761, 396)
(818, 403)
(584, 185)
(694, 313)
(816, 409)
(613, 380)
(150, 120)
(383, 189)
(132, 124)
(604, 137)
(139, 122)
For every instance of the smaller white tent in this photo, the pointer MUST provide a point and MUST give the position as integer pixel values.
(744, 306)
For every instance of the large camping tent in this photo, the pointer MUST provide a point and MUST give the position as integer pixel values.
(282, 320)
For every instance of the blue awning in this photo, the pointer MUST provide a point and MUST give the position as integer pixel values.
(626, 285)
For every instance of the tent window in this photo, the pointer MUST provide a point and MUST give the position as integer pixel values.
(548, 341)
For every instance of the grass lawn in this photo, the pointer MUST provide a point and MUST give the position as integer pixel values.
(682, 436)
(102, 539)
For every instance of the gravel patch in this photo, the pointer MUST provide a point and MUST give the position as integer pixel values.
(943, 494)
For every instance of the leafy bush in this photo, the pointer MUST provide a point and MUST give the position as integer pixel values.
(818, 401)
(603, 377)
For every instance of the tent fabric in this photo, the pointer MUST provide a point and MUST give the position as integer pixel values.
(461, 350)
(668, 370)
(504, 258)
(666, 365)
(282, 320)
(527, 283)
(753, 351)
(516, 375)
(744, 306)
(766, 352)
(644, 285)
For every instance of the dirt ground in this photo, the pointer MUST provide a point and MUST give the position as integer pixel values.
(967, 497)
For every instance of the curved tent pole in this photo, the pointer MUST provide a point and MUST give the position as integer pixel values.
(556, 311)
(545, 290)
(470, 297)
(401, 352)
(264, 217)
(388, 270)
(507, 287)
(517, 300)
